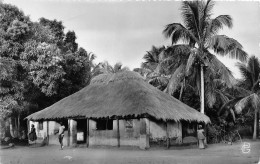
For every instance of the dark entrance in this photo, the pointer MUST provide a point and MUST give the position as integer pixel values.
(189, 129)
(81, 131)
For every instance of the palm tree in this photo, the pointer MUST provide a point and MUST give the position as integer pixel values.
(150, 68)
(251, 88)
(200, 32)
(152, 58)
(105, 68)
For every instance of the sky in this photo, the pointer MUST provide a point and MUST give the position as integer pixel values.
(122, 31)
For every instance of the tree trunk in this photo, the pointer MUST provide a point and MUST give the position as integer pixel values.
(18, 125)
(202, 89)
(15, 127)
(255, 125)
(11, 127)
(182, 87)
(202, 109)
(258, 134)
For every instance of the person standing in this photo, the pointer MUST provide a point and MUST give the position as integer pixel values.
(201, 137)
(32, 134)
(61, 134)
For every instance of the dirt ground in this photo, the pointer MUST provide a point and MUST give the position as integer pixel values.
(214, 154)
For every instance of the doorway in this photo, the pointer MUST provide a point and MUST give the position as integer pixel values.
(81, 131)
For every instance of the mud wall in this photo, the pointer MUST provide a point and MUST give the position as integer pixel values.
(129, 135)
(158, 134)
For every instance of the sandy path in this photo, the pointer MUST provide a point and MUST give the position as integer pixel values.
(214, 154)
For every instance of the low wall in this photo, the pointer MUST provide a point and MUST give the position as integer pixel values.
(158, 133)
(128, 136)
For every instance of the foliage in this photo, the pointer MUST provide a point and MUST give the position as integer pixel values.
(106, 68)
(40, 64)
(250, 88)
(177, 69)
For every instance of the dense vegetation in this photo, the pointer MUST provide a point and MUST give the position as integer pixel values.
(41, 64)
(189, 70)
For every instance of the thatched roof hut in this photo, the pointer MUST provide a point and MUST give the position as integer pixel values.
(124, 94)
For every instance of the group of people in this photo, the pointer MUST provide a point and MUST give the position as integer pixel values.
(33, 137)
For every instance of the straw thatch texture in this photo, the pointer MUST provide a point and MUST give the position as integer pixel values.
(121, 94)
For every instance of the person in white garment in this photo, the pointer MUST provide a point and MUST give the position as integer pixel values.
(201, 137)
(61, 134)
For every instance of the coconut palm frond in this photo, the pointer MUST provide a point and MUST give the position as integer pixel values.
(246, 73)
(151, 57)
(159, 81)
(229, 104)
(216, 24)
(180, 49)
(237, 53)
(205, 12)
(117, 67)
(242, 91)
(219, 22)
(160, 68)
(175, 80)
(106, 68)
(228, 107)
(190, 15)
(176, 53)
(194, 79)
(190, 62)
(169, 65)
(176, 32)
(252, 99)
(150, 66)
(142, 71)
(222, 96)
(173, 56)
(232, 114)
(253, 66)
(210, 94)
(220, 69)
(226, 46)
(255, 101)
(219, 82)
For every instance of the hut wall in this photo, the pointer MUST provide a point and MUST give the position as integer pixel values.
(131, 132)
(158, 135)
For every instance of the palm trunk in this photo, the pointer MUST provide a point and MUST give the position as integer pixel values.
(182, 87)
(255, 125)
(202, 89)
(202, 98)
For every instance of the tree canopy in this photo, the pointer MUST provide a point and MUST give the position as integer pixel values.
(40, 63)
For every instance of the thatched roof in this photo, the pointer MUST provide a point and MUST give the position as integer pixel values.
(122, 94)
